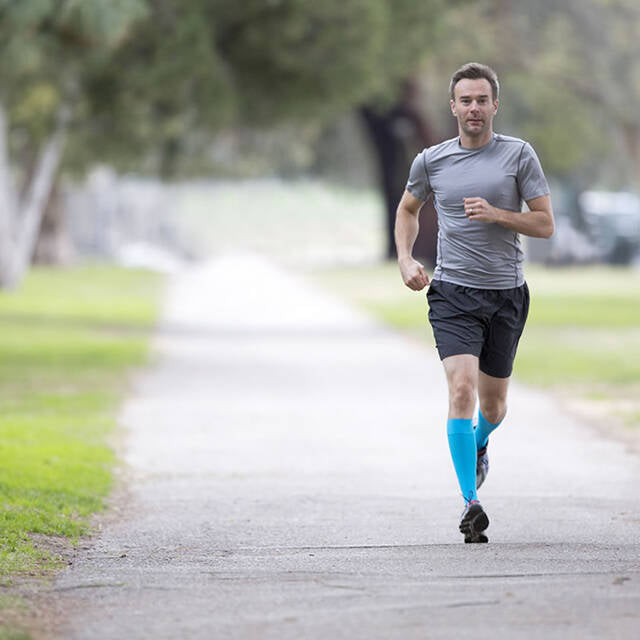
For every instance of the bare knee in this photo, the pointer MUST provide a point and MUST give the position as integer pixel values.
(494, 409)
(462, 397)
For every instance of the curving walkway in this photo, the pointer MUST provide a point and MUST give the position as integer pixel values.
(290, 478)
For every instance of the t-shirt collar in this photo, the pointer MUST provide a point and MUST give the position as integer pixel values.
(484, 146)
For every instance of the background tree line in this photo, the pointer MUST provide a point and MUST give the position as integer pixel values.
(150, 85)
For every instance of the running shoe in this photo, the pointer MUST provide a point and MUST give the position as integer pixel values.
(473, 522)
(482, 466)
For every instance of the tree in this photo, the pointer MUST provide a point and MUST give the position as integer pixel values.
(44, 45)
(569, 78)
(398, 133)
(196, 67)
(597, 64)
(398, 125)
(146, 83)
(190, 68)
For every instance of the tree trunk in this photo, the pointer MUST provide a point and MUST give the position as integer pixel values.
(169, 155)
(7, 197)
(31, 210)
(397, 135)
(53, 245)
(631, 138)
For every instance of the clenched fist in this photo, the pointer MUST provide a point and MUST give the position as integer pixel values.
(479, 209)
(413, 273)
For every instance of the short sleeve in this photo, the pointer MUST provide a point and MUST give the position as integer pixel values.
(418, 184)
(531, 180)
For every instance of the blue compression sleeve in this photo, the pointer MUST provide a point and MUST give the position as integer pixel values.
(483, 430)
(462, 445)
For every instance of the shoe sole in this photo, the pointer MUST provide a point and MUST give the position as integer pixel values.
(473, 525)
(478, 537)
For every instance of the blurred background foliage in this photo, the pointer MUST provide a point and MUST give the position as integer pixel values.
(348, 90)
(155, 83)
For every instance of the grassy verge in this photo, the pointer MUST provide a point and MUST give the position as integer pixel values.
(67, 339)
(582, 338)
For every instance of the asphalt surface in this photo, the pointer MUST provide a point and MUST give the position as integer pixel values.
(290, 478)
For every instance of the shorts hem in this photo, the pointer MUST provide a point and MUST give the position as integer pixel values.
(459, 350)
(494, 373)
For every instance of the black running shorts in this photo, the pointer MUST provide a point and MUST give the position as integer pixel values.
(486, 323)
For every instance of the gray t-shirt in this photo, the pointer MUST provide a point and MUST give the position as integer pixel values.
(504, 172)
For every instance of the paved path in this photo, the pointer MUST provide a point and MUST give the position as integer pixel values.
(291, 479)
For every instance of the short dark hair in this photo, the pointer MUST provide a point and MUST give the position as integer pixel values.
(474, 71)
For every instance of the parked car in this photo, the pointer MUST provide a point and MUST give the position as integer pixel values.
(611, 220)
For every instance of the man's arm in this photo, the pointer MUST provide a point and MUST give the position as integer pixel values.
(406, 232)
(537, 223)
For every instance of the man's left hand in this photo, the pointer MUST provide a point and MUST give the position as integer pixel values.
(480, 209)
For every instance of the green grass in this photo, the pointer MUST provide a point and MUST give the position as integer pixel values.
(594, 297)
(13, 634)
(583, 330)
(67, 339)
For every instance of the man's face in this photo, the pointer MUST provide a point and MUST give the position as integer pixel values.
(474, 106)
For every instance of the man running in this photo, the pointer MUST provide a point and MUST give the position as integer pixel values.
(478, 299)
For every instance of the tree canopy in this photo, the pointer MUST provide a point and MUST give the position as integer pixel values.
(44, 45)
(166, 75)
(569, 76)
(143, 83)
(194, 67)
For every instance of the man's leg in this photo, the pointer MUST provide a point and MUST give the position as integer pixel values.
(496, 359)
(455, 313)
(462, 378)
(492, 393)
(493, 407)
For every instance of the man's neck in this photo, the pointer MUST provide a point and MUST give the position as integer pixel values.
(475, 142)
